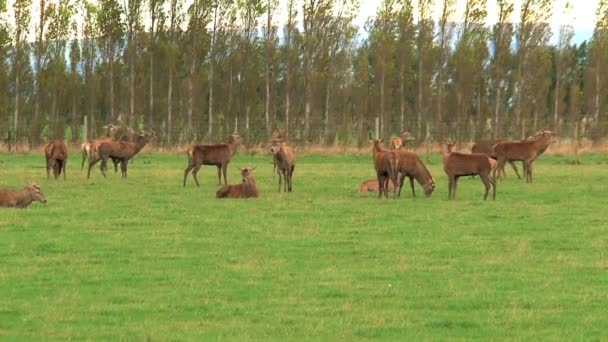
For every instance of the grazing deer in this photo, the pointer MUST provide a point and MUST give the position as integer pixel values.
(457, 165)
(214, 154)
(246, 189)
(120, 150)
(386, 164)
(371, 185)
(398, 142)
(56, 154)
(526, 150)
(412, 167)
(21, 198)
(285, 159)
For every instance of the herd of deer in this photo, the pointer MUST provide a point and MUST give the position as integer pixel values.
(487, 160)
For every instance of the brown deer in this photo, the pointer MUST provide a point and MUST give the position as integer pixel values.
(386, 164)
(276, 139)
(285, 158)
(412, 167)
(21, 198)
(120, 150)
(526, 150)
(371, 185)
(485, 146)
(56, 154)
(398, 142)
(457, 164)
(246, 189)
(214, 154)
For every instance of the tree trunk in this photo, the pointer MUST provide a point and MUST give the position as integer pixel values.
(190, 98)
(496, 129)
(327, 93)
(169, 103)
(211, 67)
(556, 103)
(401, 102)
(17, 92)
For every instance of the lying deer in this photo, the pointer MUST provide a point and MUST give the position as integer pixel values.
(371, 185)
(457, 165)
(56, 154)
(21, 198)
(386, 164)
(213, 154)
(285, 159)
(246, 189)
(526, 150)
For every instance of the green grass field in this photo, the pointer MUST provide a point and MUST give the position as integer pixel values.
(146, 258)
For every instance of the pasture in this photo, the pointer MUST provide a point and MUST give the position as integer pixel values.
(145, 258)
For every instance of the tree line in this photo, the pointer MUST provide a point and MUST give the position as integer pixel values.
(199, 70)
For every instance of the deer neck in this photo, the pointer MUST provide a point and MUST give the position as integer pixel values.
(140, 144)
(232, 146)
(23, 198)
(422, 175)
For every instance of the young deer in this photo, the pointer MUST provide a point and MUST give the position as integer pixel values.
(246, 189)
(285, 159)
(386, 164)
(398, 142)
(214, 154)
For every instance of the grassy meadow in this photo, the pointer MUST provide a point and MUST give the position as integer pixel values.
(147, 258)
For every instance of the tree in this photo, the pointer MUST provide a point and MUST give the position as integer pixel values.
(22, 20)
(424, 47)
(500, 40)
(406, 36)
(175, 20)
(291, 56)
(445, 36)
(597, 86)
(563, 61)
(270, 45)
(110, 24)
(132, 10)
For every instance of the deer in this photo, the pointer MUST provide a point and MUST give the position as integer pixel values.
(386, 164)
(485, 146)
(285, 158)
(23, 197)
(212, 154)
(56, 154)
(276, 139)
(120, 150)
(398, 142)
(371, 185)
(526, 150)
(246, 189)
(457, 164)
(89, 147)
(412, 167)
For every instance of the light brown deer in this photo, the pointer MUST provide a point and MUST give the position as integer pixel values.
(526, 150)
(56, 154)
(412, 167)
(23, 197)
(398, 142)
(486, 147)
(371, 185)
(214, 154)
(457, 164)
(386, 164)
(89, 147)
(246, 189)
(285, 158)
(120, 150)
(276, 139)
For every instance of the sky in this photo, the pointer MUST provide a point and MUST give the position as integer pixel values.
(581, 16)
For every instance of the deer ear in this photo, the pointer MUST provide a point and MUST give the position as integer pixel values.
(381, 141)
(253, 169)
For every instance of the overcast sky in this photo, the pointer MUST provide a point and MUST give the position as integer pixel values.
(581, 17)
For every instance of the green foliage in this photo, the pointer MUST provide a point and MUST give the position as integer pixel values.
(145, 258)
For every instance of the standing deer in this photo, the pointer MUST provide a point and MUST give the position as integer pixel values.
(486, 147)
(246, 189)
(386, 164)
(412, 167)
(276, 139)
(56, 154)
(213, 154)
(120, 150)
(285, 159)
(457, 165)
(89, 147)
(526, 150)
(398, 142)
(21, 198)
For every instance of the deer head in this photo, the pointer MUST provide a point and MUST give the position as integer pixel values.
(407, 136)
(34, 189)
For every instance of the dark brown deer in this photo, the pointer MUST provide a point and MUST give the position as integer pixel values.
(246, 189)
(412, 167)
(485, 146)
(285, 158)
(398, 142)
(120, 150)
(526, 150)
(457, 164)
(371, 185)
(386, 164)
(214, 154)
(21, 198)
(90, 146)
(56, 154)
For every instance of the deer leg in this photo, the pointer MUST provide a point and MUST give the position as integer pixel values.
(401, 179)
(515, 168)
(380, 185)
(116, 161)
(84, 157)
(225, 170)
(92, 163)
(486, 183)
(65, 162)
(529, 172)
(195, 174)
(412, 185)
(219, 174)
(123, 168)
(187, 171)
(499, 166)
(280, 179)
(493, 182)
(104, 166)
(450, 181)
(293, 167)
(455, 186)
(48, 168)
